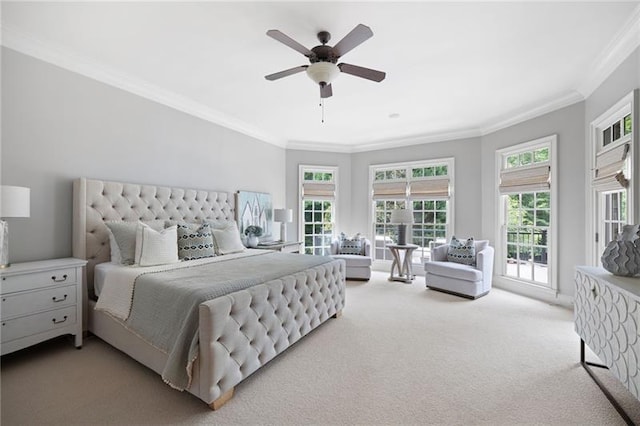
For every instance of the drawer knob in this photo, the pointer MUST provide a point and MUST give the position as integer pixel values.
(594, 291)
(56, 300)
(55, 279)
(55, 321)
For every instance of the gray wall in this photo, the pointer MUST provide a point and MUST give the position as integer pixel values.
(59, 125)
(568, 124)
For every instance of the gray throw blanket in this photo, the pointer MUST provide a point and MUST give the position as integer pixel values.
(164, 310)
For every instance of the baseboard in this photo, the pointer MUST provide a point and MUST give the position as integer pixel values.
(544, 294)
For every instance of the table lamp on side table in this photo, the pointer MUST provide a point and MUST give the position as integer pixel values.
(283, 216)
(402, 217)
(14, 202)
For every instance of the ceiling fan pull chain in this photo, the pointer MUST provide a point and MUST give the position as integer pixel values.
(322, 106)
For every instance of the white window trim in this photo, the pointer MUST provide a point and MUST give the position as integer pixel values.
(449, 161)
(324, 169)
(623, 106)
(499, 271)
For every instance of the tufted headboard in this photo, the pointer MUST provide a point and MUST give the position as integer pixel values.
(96, 201)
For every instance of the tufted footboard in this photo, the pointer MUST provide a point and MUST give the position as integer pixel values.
(244, 330)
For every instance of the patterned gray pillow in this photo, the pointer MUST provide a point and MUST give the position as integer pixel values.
(350, 245)
(462, 252)
(195, 243)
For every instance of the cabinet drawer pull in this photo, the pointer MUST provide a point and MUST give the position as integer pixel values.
(61, 321)
(55, 279)
(56, 300)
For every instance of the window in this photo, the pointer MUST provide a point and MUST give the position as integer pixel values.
(526, 199)
(317, 207)
(425, 188)
(611, 168)
(614, 214)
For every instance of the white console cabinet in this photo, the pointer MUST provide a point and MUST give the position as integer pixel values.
(40, 300)
(607, 319)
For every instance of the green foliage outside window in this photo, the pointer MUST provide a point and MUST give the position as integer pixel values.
(318, 176)
(528, 157)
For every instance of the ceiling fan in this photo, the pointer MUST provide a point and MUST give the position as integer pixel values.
(323, 58)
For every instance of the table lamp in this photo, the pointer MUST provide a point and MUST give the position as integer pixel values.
(402, 217)
(283, 216)
(14, 202)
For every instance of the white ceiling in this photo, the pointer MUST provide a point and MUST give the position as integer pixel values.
(453, 69)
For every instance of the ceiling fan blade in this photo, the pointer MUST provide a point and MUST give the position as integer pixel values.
(285, 39)
(357, 36)
(285, 73)
(367, 73)
(325, 91)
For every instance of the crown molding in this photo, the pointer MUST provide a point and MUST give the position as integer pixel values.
(63, 58)
(417, 139)
(545, 108)
(411, 140)
(626, 40)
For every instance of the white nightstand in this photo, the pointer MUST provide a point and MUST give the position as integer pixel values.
(40, 300)
(283, 246)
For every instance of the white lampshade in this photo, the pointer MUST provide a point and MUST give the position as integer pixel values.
(323, 72)
(15, 201)
(283, 215)
(402, 216)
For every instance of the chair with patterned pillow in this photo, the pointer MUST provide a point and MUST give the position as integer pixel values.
(356, 252)
(463, 268)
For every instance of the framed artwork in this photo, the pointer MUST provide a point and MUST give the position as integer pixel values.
(255, 208)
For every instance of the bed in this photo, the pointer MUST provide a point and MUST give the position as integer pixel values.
(237, 333)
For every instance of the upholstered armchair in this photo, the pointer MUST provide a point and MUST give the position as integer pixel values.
(358, 260)
(471, 281)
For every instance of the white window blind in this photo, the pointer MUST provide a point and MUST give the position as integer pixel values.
(429, 188)
(319, 190)
(611, 163)
(525, 179)
(388, 190)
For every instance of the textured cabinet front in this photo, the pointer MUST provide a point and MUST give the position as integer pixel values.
(633, 329)
(607, 319)
(40, 300)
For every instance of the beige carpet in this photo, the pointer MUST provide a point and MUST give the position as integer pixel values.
(400, 354)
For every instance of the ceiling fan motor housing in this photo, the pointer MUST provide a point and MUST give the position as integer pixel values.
(323, 53)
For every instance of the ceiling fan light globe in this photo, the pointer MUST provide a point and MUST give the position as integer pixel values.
(323, 72)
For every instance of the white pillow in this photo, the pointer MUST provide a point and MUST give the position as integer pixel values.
(122, 239)
(227, 239)
(156, 248)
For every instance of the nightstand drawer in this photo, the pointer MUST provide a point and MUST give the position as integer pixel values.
(35, 301)
(38, 323)
(34, 280)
